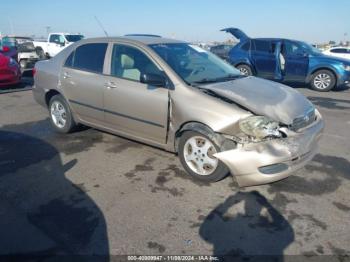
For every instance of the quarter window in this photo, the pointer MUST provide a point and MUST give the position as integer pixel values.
(89, 57)
(130, 63)
(263, 46)
(69, 61)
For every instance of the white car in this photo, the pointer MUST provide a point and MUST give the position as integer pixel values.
(339, 51)
(56, 42)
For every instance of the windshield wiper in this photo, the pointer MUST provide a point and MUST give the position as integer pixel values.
(218, 79)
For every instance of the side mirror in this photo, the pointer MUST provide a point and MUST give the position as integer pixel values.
(153, 79)
(62, 43)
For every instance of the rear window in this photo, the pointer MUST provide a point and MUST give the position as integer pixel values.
(89, 57)
(262, 46)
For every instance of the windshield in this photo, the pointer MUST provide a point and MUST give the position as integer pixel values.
(310, 49)
(26, 47)
(8, 41)
(74, 38)
(194, 64)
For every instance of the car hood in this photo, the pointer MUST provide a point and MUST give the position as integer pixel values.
(263, 97)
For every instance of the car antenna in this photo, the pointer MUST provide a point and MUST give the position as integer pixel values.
(100, 24)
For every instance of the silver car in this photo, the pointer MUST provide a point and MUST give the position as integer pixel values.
(183, 99)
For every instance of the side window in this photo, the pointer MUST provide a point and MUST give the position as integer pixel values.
(61, 39)
(130, 63)
(246, 46)
(90, 57)
(263, 46)
(69, 61)
(54, 39)
(290, 48)
(339, 50)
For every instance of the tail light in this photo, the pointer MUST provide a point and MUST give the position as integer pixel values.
(5, 49)
(34, 71)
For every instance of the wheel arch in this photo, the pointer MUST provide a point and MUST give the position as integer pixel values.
(203, 129)
(313, 71)
(49, 94)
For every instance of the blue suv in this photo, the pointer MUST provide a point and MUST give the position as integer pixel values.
(288, 61)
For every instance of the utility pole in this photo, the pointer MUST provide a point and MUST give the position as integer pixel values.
(48, 30)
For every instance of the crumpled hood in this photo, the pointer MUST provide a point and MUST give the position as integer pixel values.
(264, 97)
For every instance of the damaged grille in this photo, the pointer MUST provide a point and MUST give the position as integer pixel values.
(304, 121)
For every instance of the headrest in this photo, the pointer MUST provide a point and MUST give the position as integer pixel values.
(127, 62)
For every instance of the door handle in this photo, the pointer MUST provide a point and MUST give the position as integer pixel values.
(66, 75)
(110, 85)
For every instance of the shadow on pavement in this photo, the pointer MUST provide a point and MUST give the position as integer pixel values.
(247, 225)
(330, 103)
(42, 211)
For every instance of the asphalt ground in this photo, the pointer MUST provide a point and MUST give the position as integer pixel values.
(91, 192)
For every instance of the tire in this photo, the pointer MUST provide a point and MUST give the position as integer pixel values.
(202, 158)
(323, 80)
(62, 123)
(245, 69)
(40, 52)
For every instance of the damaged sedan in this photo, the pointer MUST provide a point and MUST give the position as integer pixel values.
(183, 99)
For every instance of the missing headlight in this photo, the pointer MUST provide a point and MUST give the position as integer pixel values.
(260, 127)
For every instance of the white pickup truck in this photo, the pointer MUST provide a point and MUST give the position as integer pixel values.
(56, 42)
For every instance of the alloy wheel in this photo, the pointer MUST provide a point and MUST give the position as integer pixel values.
(322, 81)
(58, 114)
(198, 154)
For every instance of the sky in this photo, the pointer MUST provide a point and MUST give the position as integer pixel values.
(314, 21)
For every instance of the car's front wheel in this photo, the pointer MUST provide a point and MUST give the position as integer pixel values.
(196, 152)
(323, 80)
(61, 115)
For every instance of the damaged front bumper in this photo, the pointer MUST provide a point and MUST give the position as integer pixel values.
(272, 160)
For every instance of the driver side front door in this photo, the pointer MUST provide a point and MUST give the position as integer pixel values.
(296, 62)
(136, 109)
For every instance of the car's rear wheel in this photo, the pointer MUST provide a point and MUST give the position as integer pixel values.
(61, 115)
(196, 152)
(323, 80)
(245, 69)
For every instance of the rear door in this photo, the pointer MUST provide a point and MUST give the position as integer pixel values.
(296, 61)
(82, 81)
(133, 107)
(264, 58)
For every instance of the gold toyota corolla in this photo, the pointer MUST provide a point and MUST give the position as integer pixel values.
(181, 98)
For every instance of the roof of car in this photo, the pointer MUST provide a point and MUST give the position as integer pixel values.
(147, 40)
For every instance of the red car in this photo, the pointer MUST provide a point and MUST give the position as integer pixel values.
(10, 73)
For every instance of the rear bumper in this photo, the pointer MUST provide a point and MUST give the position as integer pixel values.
(270, 161)
(39, 96)
(9, 77)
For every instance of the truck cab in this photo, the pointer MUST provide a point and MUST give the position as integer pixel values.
(57, 42)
